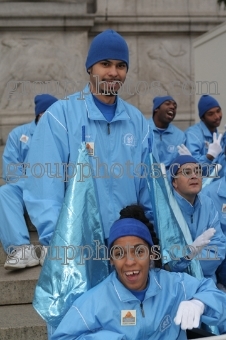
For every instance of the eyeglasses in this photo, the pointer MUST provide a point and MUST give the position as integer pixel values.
(188, 172)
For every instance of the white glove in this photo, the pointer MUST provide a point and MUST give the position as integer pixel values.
(201, 241)
(189, 313)
(215, 147)
(183, 150)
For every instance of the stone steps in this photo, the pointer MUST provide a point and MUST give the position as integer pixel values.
(17, 286)
(18, 319)
(21, 322)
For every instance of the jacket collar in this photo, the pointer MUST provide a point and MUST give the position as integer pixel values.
(95, 114)
(185, 205)
(125, 295)
(32, 127)
(205, 130)
(169, 129)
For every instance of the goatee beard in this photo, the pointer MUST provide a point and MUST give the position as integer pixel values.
(108, 93)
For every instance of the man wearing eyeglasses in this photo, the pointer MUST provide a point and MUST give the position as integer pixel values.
(201, 216)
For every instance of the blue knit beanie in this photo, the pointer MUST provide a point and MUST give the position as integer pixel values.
(107, 45)
(157, 101)
(129, 227)
(43, 102)
(178, 162)
(206, 103)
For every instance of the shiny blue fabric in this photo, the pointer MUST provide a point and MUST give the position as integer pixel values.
(68, 274)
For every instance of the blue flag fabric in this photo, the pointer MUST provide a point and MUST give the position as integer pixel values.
(77, 257)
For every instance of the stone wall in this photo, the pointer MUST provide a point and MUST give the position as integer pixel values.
(43, 46)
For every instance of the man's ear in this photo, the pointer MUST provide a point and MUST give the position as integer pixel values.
(202, 118)
(174, 184)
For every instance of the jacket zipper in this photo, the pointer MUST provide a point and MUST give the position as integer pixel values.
(142, 310)
(108, 128)
(191, 218)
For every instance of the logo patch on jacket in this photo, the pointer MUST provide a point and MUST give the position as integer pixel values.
(223, 208)
(165, 323)
(129, 139)
(171, 148)
(90, 148)
(128, 317)
(24, 138)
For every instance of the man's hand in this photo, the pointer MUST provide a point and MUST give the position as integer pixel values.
(215, 148)
(200, 242)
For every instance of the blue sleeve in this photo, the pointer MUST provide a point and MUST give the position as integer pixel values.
(178, 266)
(11, 155)
(44, 189)
(214, 253)
(102, 335)
(99, 335)
(213, 299)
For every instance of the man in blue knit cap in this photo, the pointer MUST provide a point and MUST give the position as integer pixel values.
(167, 137)
(116, 135)
(202, 139)
(13, 230)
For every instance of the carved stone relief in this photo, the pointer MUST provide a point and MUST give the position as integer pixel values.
(36, 63)
(164, 63)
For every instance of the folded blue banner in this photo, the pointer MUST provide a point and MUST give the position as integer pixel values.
(77, 256)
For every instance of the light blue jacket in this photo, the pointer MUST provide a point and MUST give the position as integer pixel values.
(217, 191)
(16, 151)
(198, 138)
(119, 149)
(96, 315)
(166, 143)
(199, 217)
